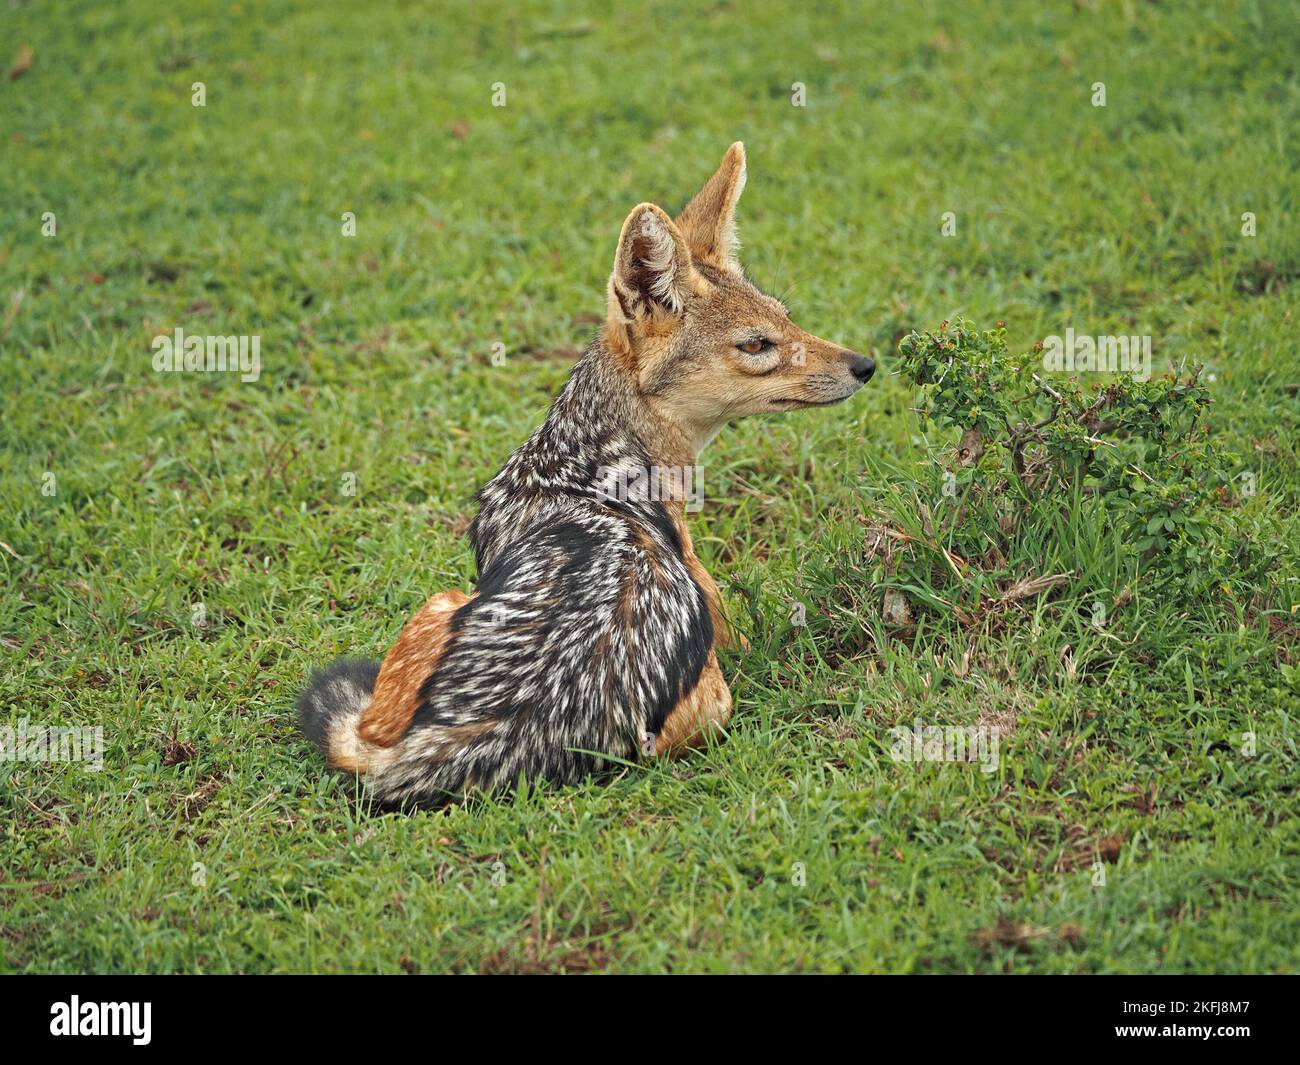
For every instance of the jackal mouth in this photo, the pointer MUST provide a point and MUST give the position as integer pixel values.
(790, 403)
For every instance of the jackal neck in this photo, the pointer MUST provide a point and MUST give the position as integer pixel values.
(597, 426)
(606, 384)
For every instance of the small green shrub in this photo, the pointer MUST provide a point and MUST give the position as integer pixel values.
(1036, 480)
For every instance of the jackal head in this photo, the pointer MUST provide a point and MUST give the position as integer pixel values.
(704, 344)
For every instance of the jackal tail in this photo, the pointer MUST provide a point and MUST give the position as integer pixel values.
(331, 705)
(359, 713)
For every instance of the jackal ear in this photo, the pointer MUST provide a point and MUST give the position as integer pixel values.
(652, 268)
(709, 221)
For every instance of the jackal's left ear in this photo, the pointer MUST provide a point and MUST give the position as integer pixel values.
(652, 269)
(709, 221)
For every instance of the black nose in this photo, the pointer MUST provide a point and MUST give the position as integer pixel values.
(862, 367)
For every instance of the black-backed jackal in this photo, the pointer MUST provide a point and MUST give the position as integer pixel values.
(594, 627)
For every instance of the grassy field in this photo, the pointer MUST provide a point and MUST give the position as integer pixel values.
(178, 549)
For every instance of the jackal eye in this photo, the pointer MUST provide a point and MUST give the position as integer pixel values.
(756, 346)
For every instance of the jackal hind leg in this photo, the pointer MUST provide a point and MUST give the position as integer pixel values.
(701, 714)
(413, 658)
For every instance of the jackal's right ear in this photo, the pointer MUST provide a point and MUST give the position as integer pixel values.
(652, 269)
(709, 220)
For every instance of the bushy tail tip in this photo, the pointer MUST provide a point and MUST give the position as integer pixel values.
(339, 692)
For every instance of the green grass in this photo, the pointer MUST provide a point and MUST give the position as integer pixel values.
(173, 490)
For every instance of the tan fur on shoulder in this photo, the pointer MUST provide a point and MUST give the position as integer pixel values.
(724, 636)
